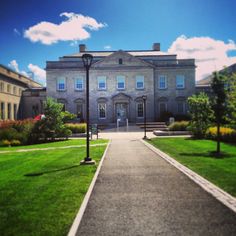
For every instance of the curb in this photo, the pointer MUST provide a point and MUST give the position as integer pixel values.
(77, 220)
(215, 191)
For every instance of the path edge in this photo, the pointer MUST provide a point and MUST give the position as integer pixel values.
(218, 193)
(78, 218)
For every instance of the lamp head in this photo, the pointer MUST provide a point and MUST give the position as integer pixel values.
(144, 97)
(87, 60)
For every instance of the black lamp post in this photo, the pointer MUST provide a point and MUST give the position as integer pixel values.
(87, 61)
(144, 97)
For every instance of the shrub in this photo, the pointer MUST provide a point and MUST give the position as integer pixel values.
(179, 126)
(15, 142)
(6, 143)
(16, 130)
(226, 134)
(182, 117)
(76, 128)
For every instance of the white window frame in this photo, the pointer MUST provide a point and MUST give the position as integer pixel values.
(100, 78)
(58, 79)
(159, 81)
(105, 106)
(120, 77)
(138, 103)
(182, 77)
(82, 80)
(139, 79)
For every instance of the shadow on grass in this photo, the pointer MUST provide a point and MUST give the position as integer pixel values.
(50, 171)
(212, 154)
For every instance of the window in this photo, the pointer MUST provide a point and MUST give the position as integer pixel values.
(102, 110)
(61, 84)
(101, 82)
(163, 107)
(14, 90)
(120, 61)
(79, 107)
(9, 111)
(180, 83)
(63, 102)
(180, 107)
(20, 91)
(120, 82)
(15, 111)
(9, 88)
(139, 82)
(79, 84)
(162, 82)
(2, 111)
(35, 110)
(140, 110)
(1, 87)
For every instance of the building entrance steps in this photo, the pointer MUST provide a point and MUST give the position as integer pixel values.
(139, 193)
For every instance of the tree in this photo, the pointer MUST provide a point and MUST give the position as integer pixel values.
(52, 125)
(232, 100)
(219, 102)
(201, 114)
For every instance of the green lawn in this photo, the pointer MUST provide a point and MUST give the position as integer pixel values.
(47, 202)
(197, 155)
(69, 142)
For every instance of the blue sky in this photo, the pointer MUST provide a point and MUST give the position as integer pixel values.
(201, 29)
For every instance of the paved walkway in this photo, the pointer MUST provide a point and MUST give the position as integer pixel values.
(138, 193)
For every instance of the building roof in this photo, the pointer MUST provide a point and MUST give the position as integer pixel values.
(137, 53)
(10, 73)
(207, 80)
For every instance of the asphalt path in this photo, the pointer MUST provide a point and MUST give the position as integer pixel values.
(139, 193)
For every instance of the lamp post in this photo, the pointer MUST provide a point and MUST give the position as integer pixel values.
(87, 61)
(144, 97)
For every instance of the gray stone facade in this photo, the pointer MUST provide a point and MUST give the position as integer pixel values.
(136, 68)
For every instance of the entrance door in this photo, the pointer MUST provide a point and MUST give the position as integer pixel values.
(121, 111)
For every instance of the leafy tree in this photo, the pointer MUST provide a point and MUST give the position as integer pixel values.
(219, 102)
(232, 100)
(52, 125)
(201, 114)
(67, 116)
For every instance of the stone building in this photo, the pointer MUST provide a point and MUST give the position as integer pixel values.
(118, 80)
(12, 87)
(204, 85)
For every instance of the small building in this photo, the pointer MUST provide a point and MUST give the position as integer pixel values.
(204, 85)
(118, 80)
(12, 87)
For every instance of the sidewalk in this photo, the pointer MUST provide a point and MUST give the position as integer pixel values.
(138, 193)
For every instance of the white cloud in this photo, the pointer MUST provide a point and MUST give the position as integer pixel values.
(74, 27)
(16, 31)
(210, 54)
(14, 65)
(38, 74)
(107, 47)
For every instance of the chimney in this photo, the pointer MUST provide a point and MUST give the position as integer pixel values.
(156, 47)
(82, 48)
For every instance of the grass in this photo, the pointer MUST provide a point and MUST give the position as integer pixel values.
(41, 191)
(198, 156)
(69, 142)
